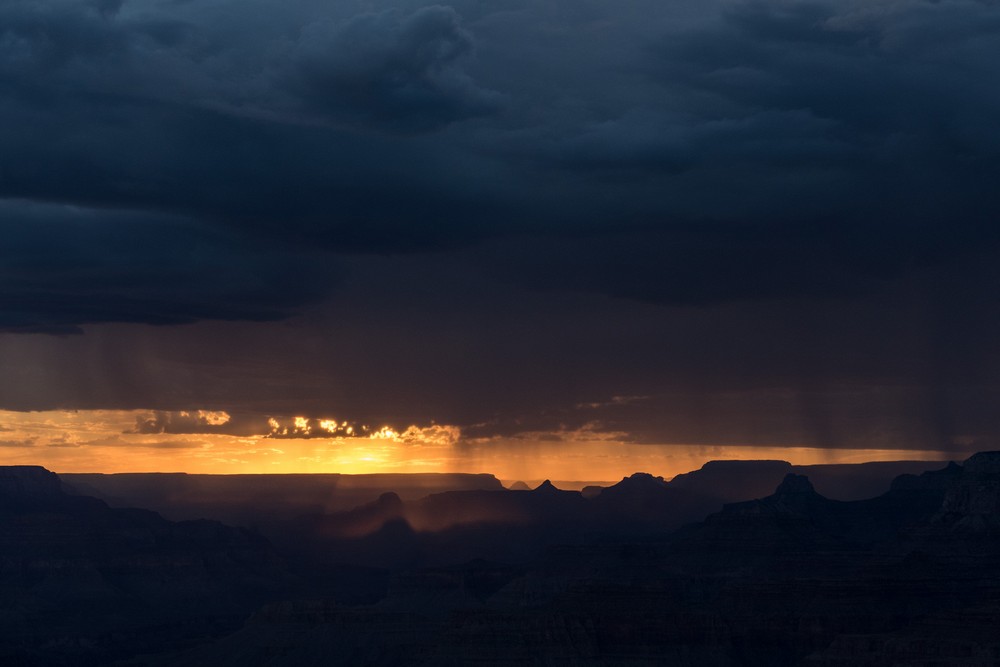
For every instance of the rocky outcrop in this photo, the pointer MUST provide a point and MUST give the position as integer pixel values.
(28, 484)
(950, 638)
(262, 500)
(733, 481)
(790, 577)
(984, 465)
(972, 501)
(81, 583)
(938, 480)
(546, 487)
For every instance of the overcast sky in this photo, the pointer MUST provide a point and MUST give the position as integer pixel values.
(694, 222)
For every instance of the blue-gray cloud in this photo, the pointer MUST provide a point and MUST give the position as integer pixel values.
(689, 153)
(63, 267)
(404, 72)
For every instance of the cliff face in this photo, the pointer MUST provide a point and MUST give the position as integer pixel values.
(81, 583)
(787, 579)
(967, 521)
(29, 483)
(940, 478)
(972, 501)
(791, 578)
(733, 481)
(261, 500)
(984, 465)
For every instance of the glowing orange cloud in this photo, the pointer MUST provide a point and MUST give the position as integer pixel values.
(106, 441)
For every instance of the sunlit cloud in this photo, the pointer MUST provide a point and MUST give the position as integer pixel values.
(308, 427)
(435, 434)
(329, 428)
(30, 442)
(384, 433)
(107, 441)
(196, 421)
(215, 418)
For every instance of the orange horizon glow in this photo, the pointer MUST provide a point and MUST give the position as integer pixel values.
(104, 441)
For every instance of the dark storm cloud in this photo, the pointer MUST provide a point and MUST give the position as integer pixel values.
(688, 153)
(801, 149)
(200, 421)
(248, 122)
(395, 69)
(404, 72)
(62, 266)
(910, 366)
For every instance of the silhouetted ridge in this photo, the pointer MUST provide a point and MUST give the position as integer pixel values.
(795, 485)
(794, 496)
(793, 577)
(390, 502)
(83, 584)
(983, 464)
(639, 480)
(972, 500)
(29, 483)
(637, 487)
(547, 487)
(262, 501)
(519, 486)
(931, 479)
(733, 481)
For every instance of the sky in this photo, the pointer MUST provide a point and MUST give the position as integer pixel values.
(567, 238)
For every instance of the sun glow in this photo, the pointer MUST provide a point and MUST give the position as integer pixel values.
(107, 441)
(213, 417)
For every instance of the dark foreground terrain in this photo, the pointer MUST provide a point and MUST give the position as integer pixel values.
(457, 570)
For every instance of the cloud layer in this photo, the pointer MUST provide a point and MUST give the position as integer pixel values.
(684, 154)
(486, 214)
(65, 266)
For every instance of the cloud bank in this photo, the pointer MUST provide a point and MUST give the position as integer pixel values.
(683, 154)
(486, 214)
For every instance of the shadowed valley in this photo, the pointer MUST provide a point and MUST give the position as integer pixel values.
(739, 563)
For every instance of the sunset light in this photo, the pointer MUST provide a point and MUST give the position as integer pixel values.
(499, 332)
(77, 441)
